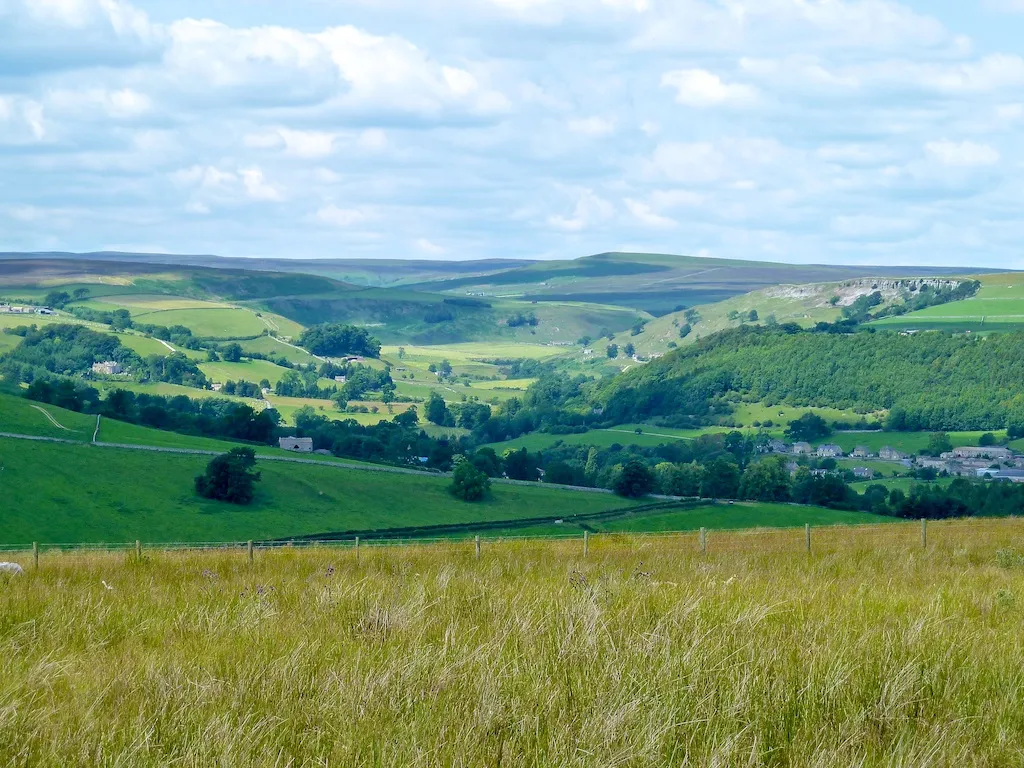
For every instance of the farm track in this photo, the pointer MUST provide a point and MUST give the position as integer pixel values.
(52, 420)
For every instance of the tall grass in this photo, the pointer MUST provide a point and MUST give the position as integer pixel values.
(869, 651)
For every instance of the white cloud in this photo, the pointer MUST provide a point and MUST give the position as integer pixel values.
(700, 88)
(643, 213)
(427, 246)
(590, 209)
(394, 74)
(215, 64)
(963, 154)
(121, 104)
(215, 186)
(301, 144)
(594, 127)
(342, 217)
(50, 35)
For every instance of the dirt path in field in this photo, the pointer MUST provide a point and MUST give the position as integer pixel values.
(652, 434)
(52, 420)
(279, 341)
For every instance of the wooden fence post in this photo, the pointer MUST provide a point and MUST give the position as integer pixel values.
(138, 549)
(924, 533)
(704, 540)
(35, 553)
(357, 549)
(249, 548)
(586, 543)
(477, 547)
(807, 532)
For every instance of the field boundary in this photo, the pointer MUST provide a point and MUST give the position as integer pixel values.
(905, 534)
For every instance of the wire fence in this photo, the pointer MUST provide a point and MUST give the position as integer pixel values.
(922, 535)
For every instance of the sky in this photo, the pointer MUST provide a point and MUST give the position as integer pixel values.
(811, 131)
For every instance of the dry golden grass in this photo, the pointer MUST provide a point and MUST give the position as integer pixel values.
(870, 651)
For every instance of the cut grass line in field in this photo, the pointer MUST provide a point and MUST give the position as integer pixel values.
(52, 420)
(652, 434)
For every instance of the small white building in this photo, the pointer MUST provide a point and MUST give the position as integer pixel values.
(296, 444)
(109, 368)
(829, 451)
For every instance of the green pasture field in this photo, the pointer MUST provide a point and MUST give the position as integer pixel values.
(67, 494)
(143, 303)
(513, 384)
(902, 483)
(741, 515)
(220, 322)
(8, 342)
(287, 406)
(781, 415)
(146, 345)
(14, 321)
(24, 417)
(248, 370)
(268, 345)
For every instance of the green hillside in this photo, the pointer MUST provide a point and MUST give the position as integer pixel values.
(930, 381)
(66, 494)
(998, 307)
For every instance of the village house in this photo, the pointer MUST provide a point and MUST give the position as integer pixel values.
(863, 473)
(987, 452)
(802, 449)
(109, 368)
(928, 462)
(861, 452)
(778, 446)
(888, 453)
(296, 444)
(830, 451)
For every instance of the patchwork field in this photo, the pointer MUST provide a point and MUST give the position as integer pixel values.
(253, 371)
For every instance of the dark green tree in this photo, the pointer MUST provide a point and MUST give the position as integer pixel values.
(721, 480)
(634, 481)
(437, 412)
(232, 352)
(808, 427)
(468, 482)
(230, 477)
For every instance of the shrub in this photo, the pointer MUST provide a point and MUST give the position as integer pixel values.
(468, 482)
(230, 477)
